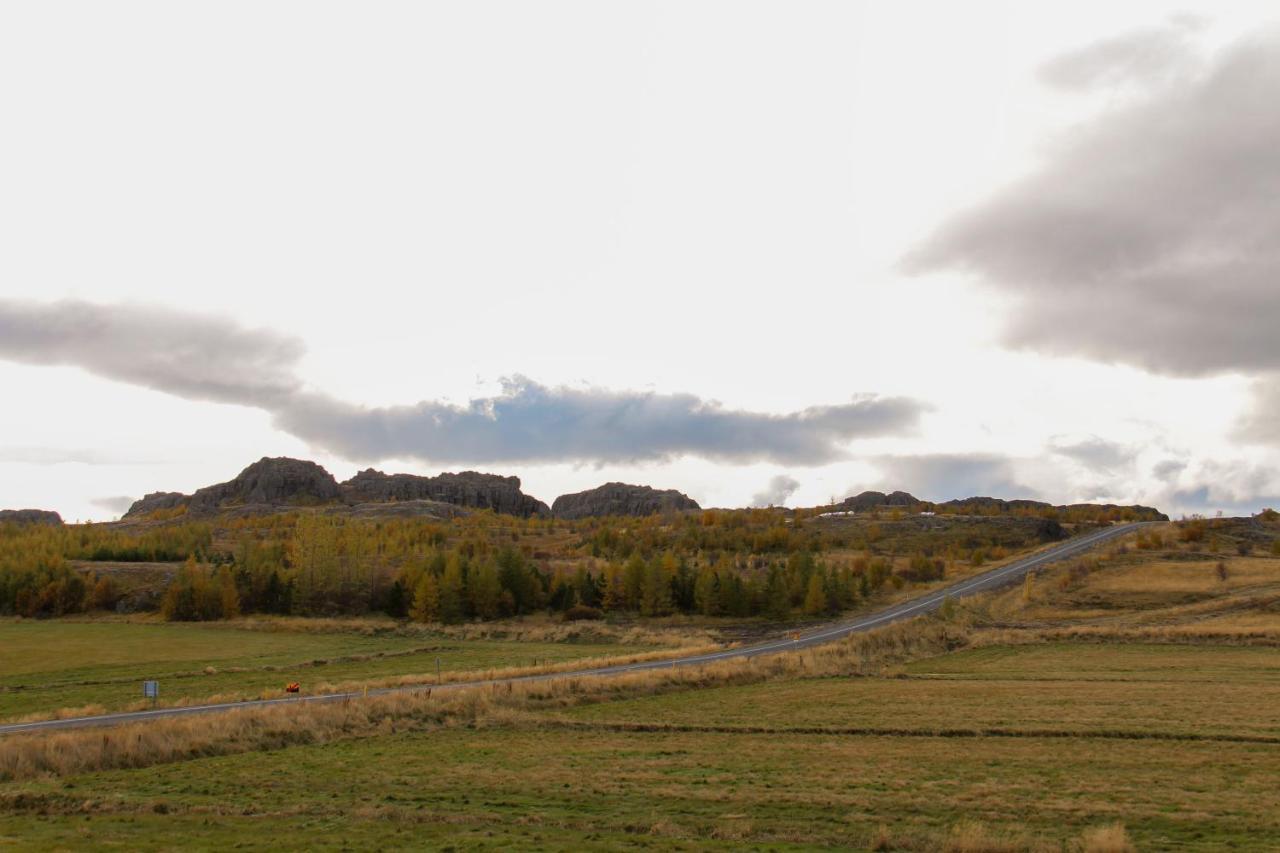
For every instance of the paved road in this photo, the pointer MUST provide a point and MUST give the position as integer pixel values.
(984, 582)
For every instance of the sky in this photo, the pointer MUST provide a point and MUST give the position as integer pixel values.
(762, 253)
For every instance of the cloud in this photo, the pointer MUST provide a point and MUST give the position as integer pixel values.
(114, 505)
(210, 358)
(1168, 470)
(1149, 56)
(189, 355)
(1148, 237)
(1261, 423)
(529, 422)
(1233, 486)
(31, 455)
(1096, 454)
(941, 477)
(780, 488)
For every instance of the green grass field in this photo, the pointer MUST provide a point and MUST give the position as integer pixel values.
(1195, 691)
(578, 779)
(55, 664)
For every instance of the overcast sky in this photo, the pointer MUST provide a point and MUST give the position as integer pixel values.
(758, 252)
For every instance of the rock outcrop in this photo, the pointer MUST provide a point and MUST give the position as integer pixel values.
(469, 489)
(154, 501)
(985, 504)
(276, 482)
(29, 516)
(621, 499)
(873, 500)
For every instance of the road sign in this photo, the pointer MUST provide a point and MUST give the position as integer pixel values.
(151, 690)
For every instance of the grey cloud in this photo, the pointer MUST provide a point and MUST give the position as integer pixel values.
(1207, 500)
(1096, 453)
(1149, 235)
(1234, 487)
(780, 488)
(1168, 469)
(1149, 56)
(941, 477)
(529, 422)
(114, 505)
(1261, 423)
(198, 357)
(181, 353)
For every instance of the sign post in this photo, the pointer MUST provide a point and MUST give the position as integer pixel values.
(151, 690)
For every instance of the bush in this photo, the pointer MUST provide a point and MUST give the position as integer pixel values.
(581, 612)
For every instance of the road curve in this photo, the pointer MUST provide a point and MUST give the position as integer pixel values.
(927, 603)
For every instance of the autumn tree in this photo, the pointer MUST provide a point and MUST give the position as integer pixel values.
(426, 599)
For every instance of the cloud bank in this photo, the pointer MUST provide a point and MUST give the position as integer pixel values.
(181, 353)
(1148, 236)
(204, 358)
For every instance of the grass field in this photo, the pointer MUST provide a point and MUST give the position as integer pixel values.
(1142, 735)
(56, 664)
(566, 789)
(1169, 691)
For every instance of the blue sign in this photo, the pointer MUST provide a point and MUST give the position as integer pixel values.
(150, 689)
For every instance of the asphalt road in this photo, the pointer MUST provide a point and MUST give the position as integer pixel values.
(927, 603)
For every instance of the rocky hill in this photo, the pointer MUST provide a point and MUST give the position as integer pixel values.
(29, 516)
(987, 505)
(871, 500)
(280, 483)
(620, 499)
(154, 501)
(469, 489)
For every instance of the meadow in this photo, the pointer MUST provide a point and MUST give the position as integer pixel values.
(54, 666)
(975, 760)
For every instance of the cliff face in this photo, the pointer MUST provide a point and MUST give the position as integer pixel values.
(279, 481)
(29, 516)
(621, 499)
(469, 489)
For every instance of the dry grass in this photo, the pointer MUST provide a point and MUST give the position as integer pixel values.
(1107, 839)
(533, 629)
(241, 730)
(976, 837)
